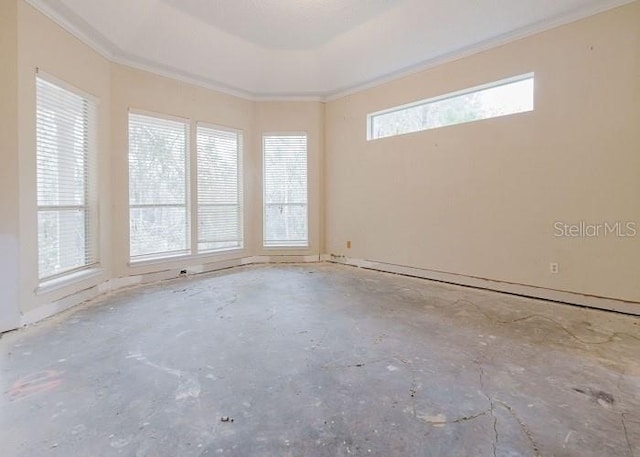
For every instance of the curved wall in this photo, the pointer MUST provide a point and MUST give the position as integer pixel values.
(45, 46)
(470, 201)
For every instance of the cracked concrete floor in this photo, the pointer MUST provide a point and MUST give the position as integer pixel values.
(321, 360)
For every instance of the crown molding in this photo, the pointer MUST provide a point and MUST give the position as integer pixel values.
(207, 83)
(79, 28)
(167, 71)
(486, 45)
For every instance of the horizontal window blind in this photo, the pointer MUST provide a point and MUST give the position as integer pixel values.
(66, 126)
(158, 216)
(219, 189)
(285, 190)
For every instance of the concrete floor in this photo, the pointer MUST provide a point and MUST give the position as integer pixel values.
(321, 360)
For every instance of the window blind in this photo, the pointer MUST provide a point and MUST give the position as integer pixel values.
(285, 190)
(219, 189)
(158, 216)
(66, 125)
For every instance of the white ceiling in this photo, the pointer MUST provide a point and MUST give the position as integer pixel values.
(302, 48)
(285, 24)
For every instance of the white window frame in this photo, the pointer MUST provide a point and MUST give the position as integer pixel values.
(91, 206)
(196, 201)
(293, 246)
(168, 255)
(492, 85)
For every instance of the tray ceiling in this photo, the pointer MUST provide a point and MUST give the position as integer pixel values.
(302, 48)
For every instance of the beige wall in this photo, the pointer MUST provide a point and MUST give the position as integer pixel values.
(9, 228)
(481, 199)
(478, 199)
(286, 117)
(45, 46)
(142, 91)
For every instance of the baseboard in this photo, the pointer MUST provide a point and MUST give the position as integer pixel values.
(115, 284)
(51, 309)
(58, 306)
(572, 298)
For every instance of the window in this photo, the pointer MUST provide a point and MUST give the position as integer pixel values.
(164, 206)
(509, 96)
(158, 216)
(66, 159)
(285, 190)
(219, 189)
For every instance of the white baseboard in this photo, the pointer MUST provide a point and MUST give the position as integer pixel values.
(50, 309)
(608, 304)
(284, 259)
(115, 284)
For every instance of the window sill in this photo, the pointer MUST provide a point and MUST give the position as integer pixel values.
(51, 285)
(186, 257)
(286, 250)
(286, 247)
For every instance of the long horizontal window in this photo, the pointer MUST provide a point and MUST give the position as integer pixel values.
(508, 96)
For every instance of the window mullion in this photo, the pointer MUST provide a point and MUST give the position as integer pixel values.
(192, 184)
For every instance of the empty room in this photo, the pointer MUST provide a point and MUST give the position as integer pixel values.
(320, 228)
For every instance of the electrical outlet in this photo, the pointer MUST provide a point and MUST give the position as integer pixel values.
(554, 268)
(348, 244)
